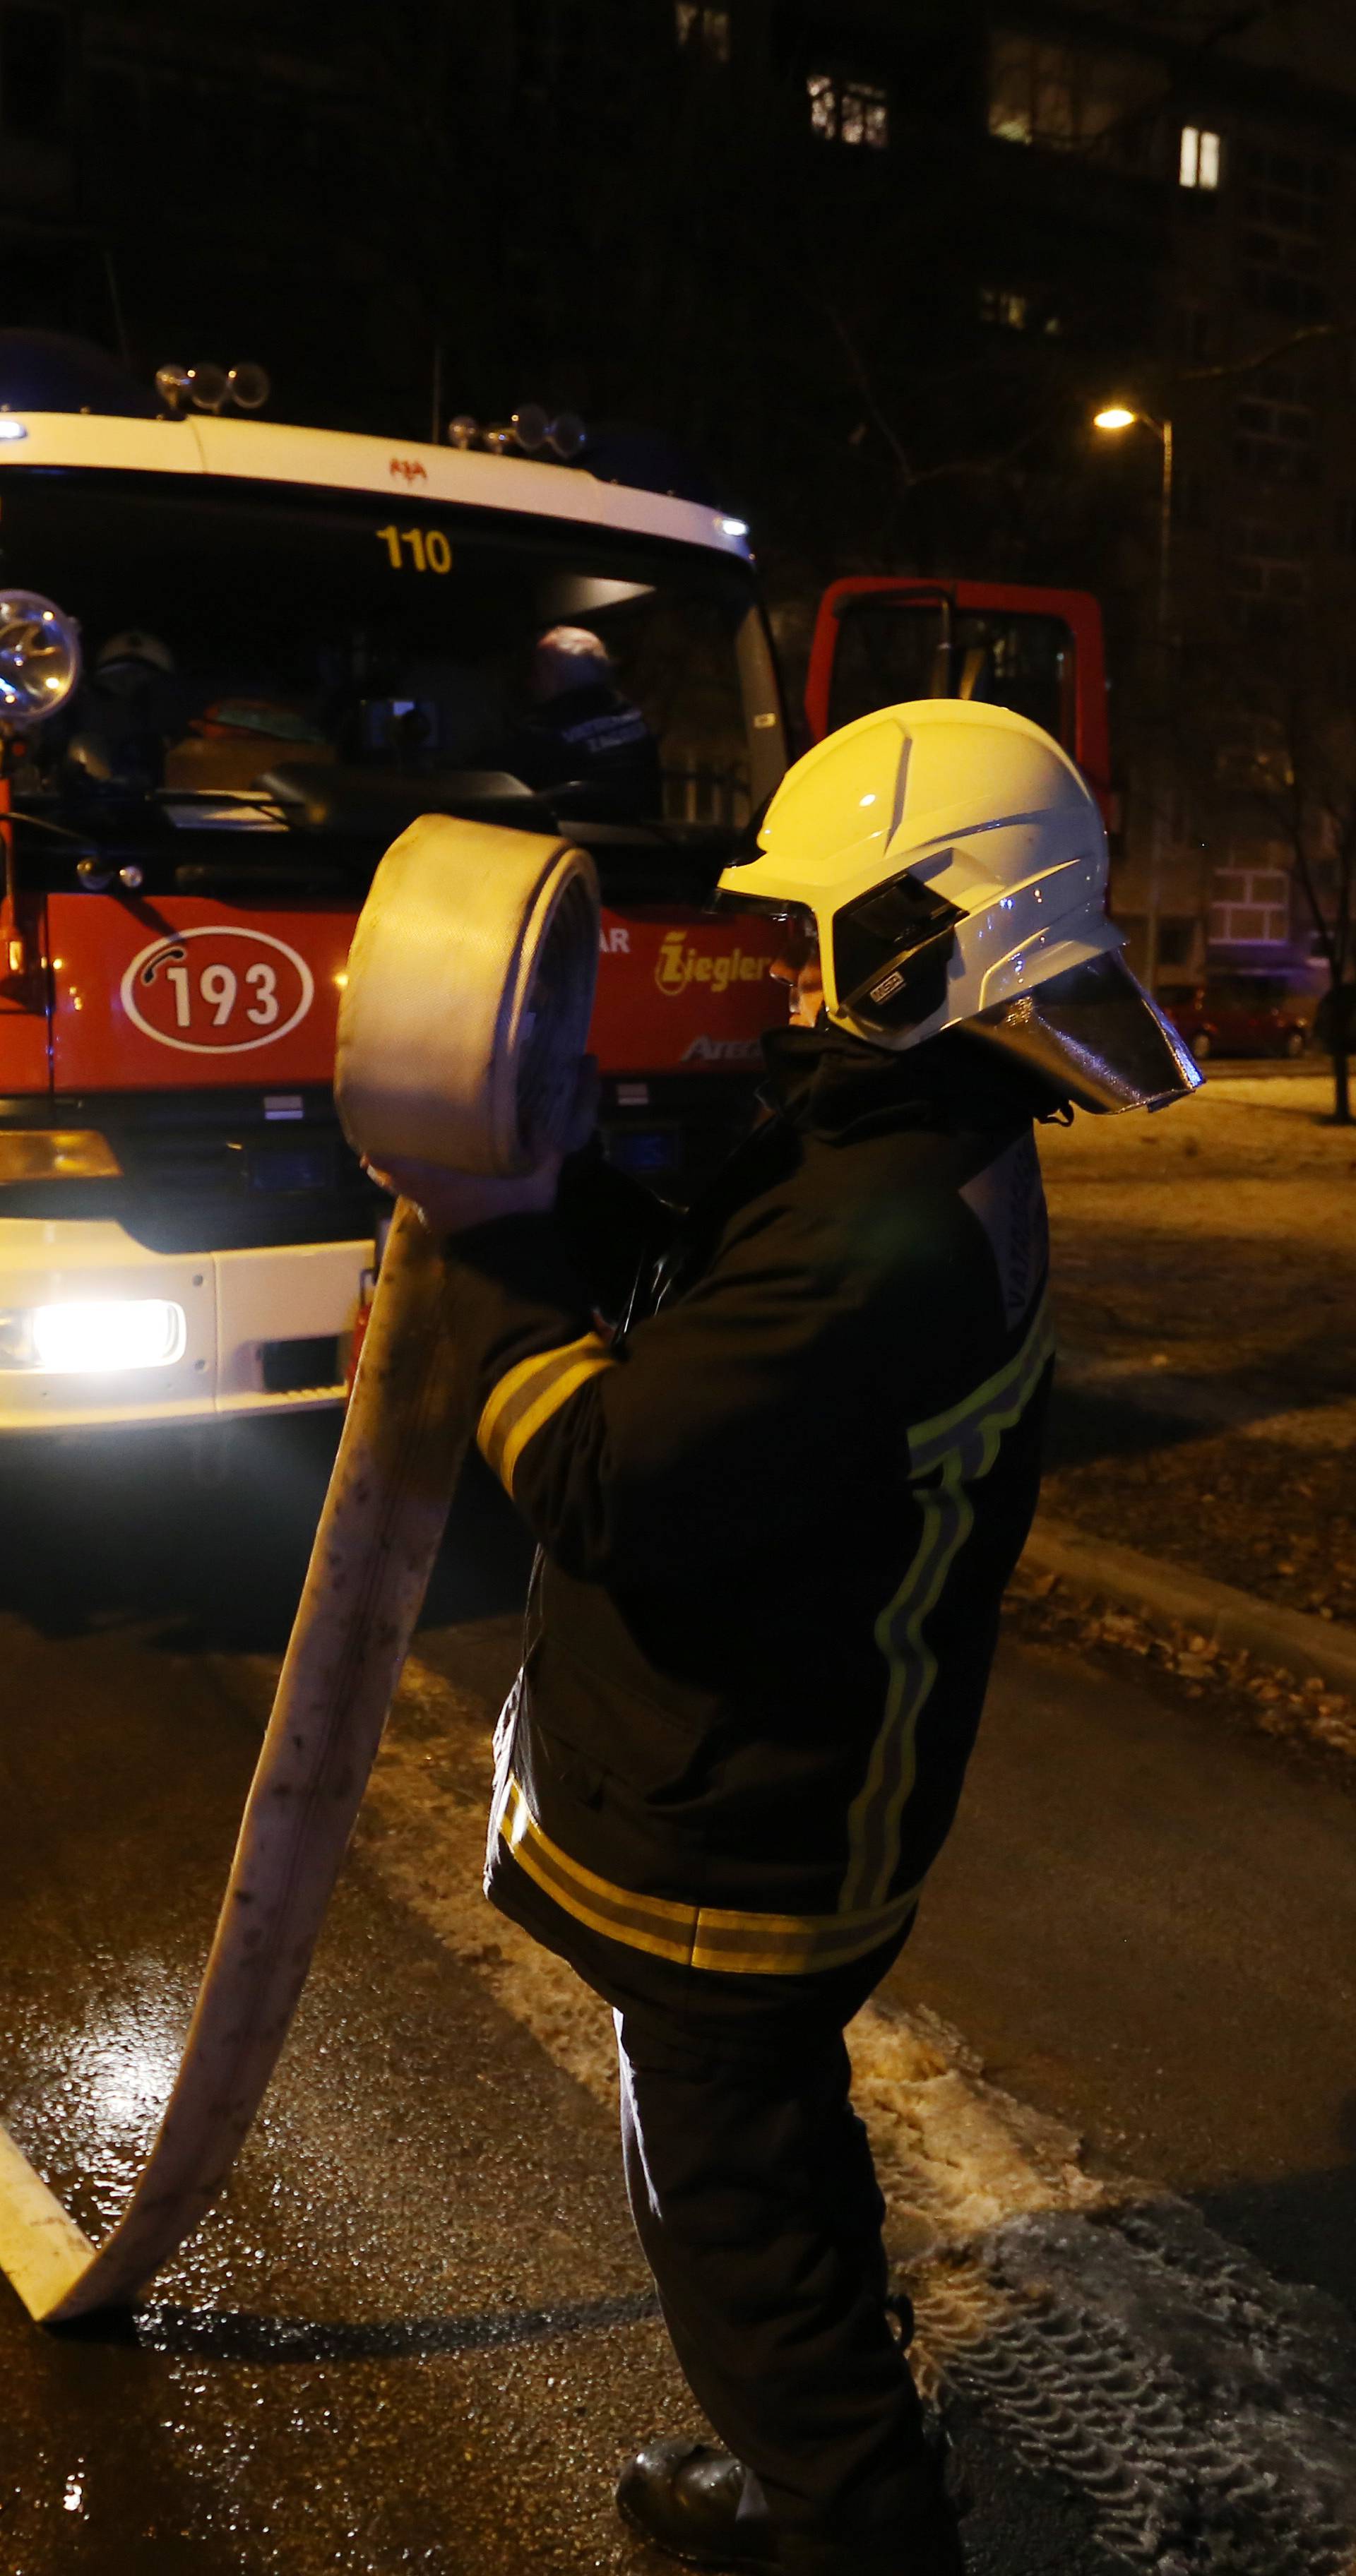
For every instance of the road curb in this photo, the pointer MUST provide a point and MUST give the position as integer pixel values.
(1289, 1640)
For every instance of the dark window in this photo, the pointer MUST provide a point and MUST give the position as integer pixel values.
(33, 74)
(1287, 207)
(1190, 498)
(1270, 563)
(1274, 441)
(1193, 331)
(1176, 938)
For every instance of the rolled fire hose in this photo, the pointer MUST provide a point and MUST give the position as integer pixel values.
(461, 1033)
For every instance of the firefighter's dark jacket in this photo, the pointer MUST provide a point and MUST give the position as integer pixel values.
(775, 1519)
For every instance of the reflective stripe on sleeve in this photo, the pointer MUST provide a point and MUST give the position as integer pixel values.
(693, 1936)
(528, 1395)
(958, 1447)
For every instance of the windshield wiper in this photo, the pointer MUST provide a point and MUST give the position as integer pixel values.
(376, 804)
(223, 809)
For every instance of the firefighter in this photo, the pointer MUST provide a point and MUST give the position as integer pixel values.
(775, 1516)
(582, 733)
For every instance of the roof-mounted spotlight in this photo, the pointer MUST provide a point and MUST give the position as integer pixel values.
(249, 386)
(566, 435)
(174, 387)
(531, 428)
(209, 387)
(530, 432)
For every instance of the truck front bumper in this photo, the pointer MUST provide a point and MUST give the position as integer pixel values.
(263, 1331)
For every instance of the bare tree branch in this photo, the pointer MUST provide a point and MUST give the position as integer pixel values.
(1264, 357)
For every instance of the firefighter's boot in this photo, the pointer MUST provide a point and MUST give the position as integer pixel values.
(693, 2501)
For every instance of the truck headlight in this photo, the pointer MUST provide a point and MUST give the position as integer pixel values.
(93, 1339)
(56, 1154)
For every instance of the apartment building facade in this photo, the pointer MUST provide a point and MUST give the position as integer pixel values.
(880, 262)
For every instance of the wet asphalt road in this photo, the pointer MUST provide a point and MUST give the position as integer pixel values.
(417, 2333)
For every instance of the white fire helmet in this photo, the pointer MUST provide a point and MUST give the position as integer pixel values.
(953, 863)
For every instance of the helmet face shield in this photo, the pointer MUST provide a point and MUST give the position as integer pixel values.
(1095, 1035)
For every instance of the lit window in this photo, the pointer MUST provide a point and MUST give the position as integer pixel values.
(707, 31)
(848, 111)
(1198, 161)
(1070, 98)
(999, 304)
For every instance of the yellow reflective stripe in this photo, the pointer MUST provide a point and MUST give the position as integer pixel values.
(529, 1393)
(963, 1443)
(930, 1441)
(693, 1936)
(948, 1517)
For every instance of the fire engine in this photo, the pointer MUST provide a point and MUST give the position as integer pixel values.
(258, 652)
(236, 659)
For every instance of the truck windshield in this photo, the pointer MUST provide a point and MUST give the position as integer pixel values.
(230, 630)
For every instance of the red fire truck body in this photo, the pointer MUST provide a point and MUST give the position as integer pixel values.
(293, 642)
(880, 639)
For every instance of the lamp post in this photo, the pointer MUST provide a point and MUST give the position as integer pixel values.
(1114, 417)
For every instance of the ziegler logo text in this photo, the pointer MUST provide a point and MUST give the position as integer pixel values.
(677, 966)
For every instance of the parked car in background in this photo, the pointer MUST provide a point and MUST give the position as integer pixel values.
(1238, 1015)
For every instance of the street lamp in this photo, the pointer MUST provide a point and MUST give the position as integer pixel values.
(1119, 416)
(1114, 417)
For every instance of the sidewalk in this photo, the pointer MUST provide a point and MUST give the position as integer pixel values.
(1205, 1295)
(1199, 1506)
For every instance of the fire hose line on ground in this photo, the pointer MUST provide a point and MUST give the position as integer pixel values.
(461, 1034)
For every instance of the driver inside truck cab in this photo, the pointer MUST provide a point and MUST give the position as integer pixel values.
(579, 728)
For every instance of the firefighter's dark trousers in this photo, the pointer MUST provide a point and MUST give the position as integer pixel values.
(755, 2199)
